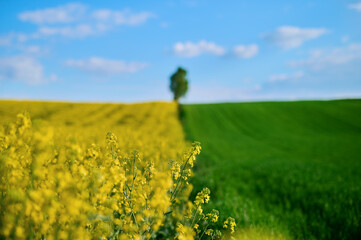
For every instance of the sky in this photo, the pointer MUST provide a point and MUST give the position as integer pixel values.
(125, 51)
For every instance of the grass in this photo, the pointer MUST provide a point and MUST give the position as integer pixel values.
(290, 168)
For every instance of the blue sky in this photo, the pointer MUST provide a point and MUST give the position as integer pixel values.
(125, 51)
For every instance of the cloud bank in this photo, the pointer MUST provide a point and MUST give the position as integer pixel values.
(190, 49)
(323, 59)
(125, 17)
(62, 14)
(243, 51)
(195, 49)
(102, 66)
(24, 69)
(285, 77)
(355, 6)
(74, 20)
(288, 37)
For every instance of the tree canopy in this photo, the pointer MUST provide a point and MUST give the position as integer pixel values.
(179, 83)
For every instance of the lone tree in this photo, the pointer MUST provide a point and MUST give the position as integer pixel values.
(179, 83)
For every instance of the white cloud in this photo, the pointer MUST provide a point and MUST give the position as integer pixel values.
(320, 59)
(355, 6)
(21, 37)
(23, 69)
(5, 41)
(285, 77)
(74, 21)
(189, 49)
(103, 66)
(125, 17)
(32, 49)
(243, 51)
(81, 30)
(345, 39)
(247, 80)
(164, 24)
(14, 41)
(291, 37)
(8, 39)
(61, 14)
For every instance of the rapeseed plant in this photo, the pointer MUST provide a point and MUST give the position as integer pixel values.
(57, 186)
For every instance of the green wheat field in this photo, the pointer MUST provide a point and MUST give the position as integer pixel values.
(293, 167)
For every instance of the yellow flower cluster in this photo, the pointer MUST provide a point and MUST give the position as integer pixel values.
(60, 180)
(184, 232)
(230, 223)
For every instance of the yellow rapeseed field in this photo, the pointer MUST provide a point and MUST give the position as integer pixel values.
(99, 171)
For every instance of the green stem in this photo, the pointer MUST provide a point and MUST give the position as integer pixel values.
(194, 218)
(180, 178)
(204, 231)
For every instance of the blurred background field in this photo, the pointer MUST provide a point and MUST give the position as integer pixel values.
(290, 167)
(91, 121)
(152, 128)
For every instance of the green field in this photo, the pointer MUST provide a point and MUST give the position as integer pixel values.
(287, 167)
